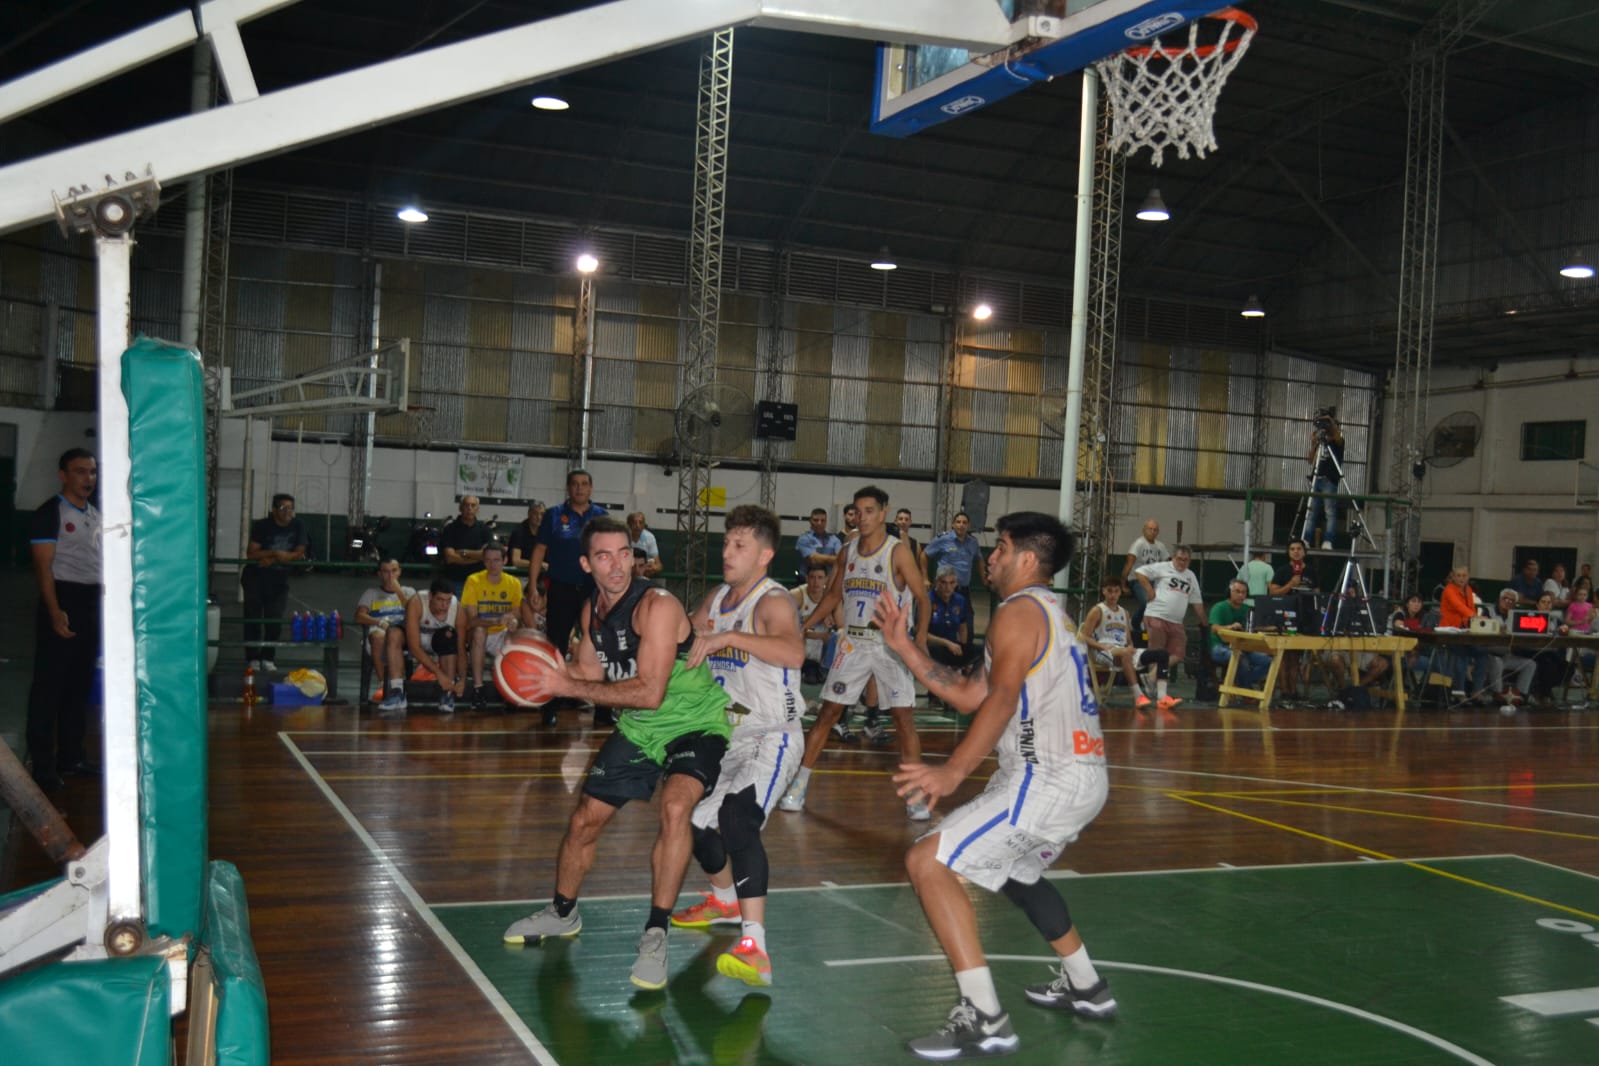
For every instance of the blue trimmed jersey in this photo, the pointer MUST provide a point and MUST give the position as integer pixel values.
(770, 694)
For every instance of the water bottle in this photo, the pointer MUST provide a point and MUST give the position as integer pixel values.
(297, 627)
(338, 626)
(321, 626)
(248, 696)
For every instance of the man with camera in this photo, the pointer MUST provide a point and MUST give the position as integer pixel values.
(1326, 460)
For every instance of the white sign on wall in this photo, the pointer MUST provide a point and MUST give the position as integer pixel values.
(479, 473)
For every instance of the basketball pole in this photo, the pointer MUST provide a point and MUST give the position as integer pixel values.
(1072, 424)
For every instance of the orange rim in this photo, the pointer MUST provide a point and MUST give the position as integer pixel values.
(1228, 14)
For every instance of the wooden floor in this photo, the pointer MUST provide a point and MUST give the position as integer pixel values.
(348, 831)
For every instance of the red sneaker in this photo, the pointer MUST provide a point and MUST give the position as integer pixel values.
(706, 913)
(745, 962)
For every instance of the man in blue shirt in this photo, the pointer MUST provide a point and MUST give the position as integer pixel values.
(958, 549)
(949, 631)
(1528, 585)
(561, 545)
(816, 546)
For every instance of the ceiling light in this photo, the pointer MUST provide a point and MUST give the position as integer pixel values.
(982, 312)
(587, 264)
(1252, 308)
(1577, 267)
(411, 213)
(545, 102)
(1153, 208)
(884, 260)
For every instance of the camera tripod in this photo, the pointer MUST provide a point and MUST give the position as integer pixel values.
(1349, 614)
(1357, 517)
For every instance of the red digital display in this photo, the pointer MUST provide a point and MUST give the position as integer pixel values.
(1532, 623)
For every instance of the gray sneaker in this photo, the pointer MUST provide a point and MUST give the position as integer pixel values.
(546, 923)
(393, 705)
(918, 811)
(447, 703)
(967, 1034)
(1095, 1001)
(649, 971)
(794, 797)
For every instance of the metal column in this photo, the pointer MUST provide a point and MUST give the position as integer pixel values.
(582, 390)
(213, 339)
(1094, 511)
(1418, 270)
(705, 294)
(772, 387)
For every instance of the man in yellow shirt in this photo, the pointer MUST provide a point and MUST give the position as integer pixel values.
(491, 600)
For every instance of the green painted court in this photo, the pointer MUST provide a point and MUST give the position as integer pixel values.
(1476, 960)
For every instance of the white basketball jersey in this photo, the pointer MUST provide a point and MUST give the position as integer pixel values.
(1112, 628)
(770, 694)
(1052, 750)
(429, 624)
(813, 648)
(867, 577)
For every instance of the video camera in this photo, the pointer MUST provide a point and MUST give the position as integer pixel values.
(1323, 420)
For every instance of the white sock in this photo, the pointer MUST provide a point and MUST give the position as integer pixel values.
(726, 895)
(802, 778)
(1080, 969)
(978, 986)
(756, 932)
(1160, 688)
(397, 684)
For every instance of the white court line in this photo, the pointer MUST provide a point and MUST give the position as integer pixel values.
(539, 1052)
(1562, 869)
(1165, 971)
(1351, 789)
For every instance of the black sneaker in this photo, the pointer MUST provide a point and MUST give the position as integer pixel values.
(1095, 1001)
(479, 701)
(967, 1034)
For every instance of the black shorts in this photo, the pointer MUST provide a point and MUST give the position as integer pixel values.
(442, 642)
(622, 772)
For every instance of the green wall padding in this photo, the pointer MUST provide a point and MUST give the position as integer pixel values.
(165, 389)
(243, 1037)
(111, 1011)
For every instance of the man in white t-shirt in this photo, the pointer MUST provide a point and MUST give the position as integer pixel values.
(1145, 550)
(382, 611)
(1171, 589)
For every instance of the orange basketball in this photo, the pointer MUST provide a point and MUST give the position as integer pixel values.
(523, 669)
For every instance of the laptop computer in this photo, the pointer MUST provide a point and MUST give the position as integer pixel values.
(1274, 612)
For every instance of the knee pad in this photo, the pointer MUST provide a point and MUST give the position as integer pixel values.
(709, 850)
(1043, 905)
(740, 820)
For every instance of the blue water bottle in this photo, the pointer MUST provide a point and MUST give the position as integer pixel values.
(321, 626)
(297, 627)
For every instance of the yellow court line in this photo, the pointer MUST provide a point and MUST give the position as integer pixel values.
(1389, 858)
(1416, 817)
(1415, 789)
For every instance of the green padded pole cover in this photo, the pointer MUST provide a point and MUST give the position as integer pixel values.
(165, 389)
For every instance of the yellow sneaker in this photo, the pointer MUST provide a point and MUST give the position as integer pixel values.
(706, 913)
(745, 962)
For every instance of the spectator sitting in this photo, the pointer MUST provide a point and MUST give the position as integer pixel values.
(1233, 613)
(492, 602)
(1410, 620)
(642, 538)
(641, 563)
(1556, 587)
(1519, 667)
(852, 524)
(1295, 576)
(1107, 633)
(949, 630)
(1550, 663)
(1527, 584)
(902, 530)
(1580, 619)
(817, 546)
(526, 536)
(820, 637)
(435, 643)
(1458, 606)
(382, 611)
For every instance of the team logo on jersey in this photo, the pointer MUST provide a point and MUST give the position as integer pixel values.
(838, 688)
(879, 569)
(621, 642)
(738, 626)
(71, 528)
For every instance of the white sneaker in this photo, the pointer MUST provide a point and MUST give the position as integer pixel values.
(254, 664)
(917, 812)
(1326, 545)
(794, 798)
(269, 666)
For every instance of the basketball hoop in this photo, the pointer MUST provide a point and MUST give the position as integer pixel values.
(1165, 96)
(418, 424)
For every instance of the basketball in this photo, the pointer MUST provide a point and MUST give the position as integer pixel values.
(522, 669)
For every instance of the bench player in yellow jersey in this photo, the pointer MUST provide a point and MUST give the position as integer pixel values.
(874, 565)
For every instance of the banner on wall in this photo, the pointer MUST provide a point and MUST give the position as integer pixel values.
(487, 474)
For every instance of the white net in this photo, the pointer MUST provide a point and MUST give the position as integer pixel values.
(1165, 96)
